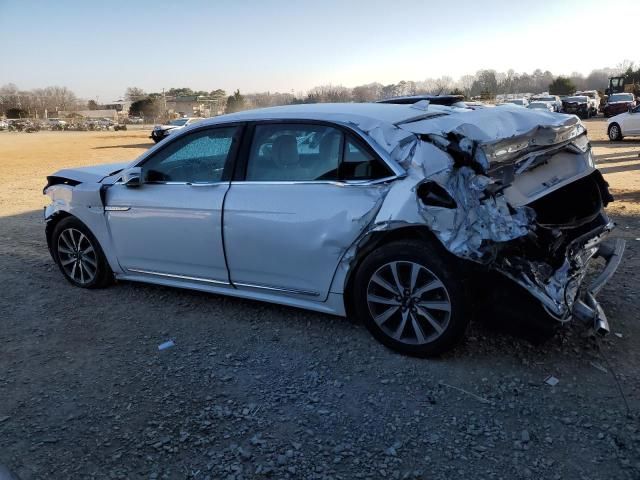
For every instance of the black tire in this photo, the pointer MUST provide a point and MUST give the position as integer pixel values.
(78, 255)
(615, 132)
(434, 265)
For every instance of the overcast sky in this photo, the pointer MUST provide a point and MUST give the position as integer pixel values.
(98, 48)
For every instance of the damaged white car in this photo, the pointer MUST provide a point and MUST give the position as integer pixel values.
(392, 213)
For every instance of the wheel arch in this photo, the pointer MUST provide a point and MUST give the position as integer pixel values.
(376, 240)
(51, 223)
(94, 222)
(611, 126)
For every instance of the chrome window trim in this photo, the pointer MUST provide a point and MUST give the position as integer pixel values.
(337, 183)
(192, 184)
(278, 289)
(180, 277)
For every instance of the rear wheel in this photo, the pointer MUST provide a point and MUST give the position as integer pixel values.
(410, 296)
(78, 255)
(615, 133)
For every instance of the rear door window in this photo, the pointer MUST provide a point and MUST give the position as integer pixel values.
(313, 152)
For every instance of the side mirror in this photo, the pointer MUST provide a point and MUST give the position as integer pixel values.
(132, 177)
(630, 109)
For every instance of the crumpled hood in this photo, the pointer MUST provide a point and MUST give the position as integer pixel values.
(94, 173)
(488, 125)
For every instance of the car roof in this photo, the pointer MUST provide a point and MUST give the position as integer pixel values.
(388, 113)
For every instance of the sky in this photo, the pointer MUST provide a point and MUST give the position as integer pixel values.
(99, 48)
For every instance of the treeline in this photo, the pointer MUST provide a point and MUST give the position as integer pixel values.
(16, 103)
(485, 84)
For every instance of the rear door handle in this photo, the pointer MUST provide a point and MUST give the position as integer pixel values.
(112, 208)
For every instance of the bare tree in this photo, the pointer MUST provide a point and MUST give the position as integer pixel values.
(367, 93)
(134, 93)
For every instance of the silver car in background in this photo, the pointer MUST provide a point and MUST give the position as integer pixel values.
(399, 215)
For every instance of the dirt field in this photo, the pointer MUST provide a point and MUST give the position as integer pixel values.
(255, 391)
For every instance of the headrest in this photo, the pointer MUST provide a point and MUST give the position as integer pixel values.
(285, 150)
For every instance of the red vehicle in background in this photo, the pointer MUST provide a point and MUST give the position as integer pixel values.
(618, 103)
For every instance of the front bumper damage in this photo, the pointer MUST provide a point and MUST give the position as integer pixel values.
(528, 204)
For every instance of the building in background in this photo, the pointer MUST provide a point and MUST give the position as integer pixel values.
(195, 106)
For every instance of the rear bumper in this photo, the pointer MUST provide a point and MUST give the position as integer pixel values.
(586, 308)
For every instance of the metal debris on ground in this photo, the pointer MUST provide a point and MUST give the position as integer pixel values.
(599, 367)
(477, 397)
(551, 380)
(167, 344)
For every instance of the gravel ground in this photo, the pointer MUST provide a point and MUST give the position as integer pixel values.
(252, 390)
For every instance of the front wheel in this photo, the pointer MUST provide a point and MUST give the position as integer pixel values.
(78, 255)
(615, 133)
(410, 296)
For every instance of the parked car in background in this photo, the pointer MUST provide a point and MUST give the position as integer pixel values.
(135, 120)
(542, 106)
(618, 103)
(594, 101)
(3, 125)
(56, 124)
(401, 217)
(523, 102)
(552, 100)
(577, 105)
(446, 100)
(160, 132)
(624, 125)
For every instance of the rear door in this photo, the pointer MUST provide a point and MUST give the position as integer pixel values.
(304, 193)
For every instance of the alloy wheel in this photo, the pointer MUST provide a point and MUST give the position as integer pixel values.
(408, 302)
(614, 132)
(77, 256)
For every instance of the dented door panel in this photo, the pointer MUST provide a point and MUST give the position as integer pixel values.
(290, 237)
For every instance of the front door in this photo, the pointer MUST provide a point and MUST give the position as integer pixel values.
(632, 122)
(171, 225)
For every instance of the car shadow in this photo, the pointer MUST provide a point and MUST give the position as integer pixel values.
(25, 264)
(620, 168)
(617, 157)
(131, 145)
(625, 143)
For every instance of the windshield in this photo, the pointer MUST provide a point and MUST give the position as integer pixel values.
(621, 97)
(546, 99)
(576, 99)
(538, 105)
(588, 94)
(178, 122)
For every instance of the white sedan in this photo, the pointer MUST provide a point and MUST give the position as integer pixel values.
(394, 214)
(624, 125)
(541, 106)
